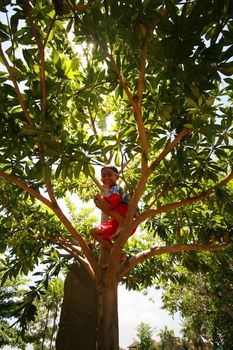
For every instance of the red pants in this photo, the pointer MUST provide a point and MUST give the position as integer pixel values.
(110, 227)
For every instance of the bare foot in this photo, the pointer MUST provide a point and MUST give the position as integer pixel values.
(105, 242)
(91, 244)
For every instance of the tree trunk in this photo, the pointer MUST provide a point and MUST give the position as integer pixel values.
(89, 315)
(78, 321)
(108, 335)
(107, 310)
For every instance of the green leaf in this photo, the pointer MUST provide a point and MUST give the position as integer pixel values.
(159, 144)
(46, 173)
(226, 68)
(117, 157)
(3, 36)
(227, 54)
(14, 20)
(29, 130)
(189, 126)
(172, 10)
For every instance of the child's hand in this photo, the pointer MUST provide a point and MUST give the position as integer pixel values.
(97, 196)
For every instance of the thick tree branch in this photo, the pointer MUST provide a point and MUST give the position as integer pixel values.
(14, 81)
(143, 180)
(13, 179)
(74, 252)
(58, 212)
(51, 194)
(183, 202)
(136, 108)
(154, 251)
(169, 148)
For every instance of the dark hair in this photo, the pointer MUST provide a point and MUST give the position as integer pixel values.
(112, 167)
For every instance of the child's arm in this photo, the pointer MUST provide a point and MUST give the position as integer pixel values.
(106, 207)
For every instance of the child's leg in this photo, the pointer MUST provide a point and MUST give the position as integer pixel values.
(119, 219)
(115, 215)
(97, 232)
(119, 214)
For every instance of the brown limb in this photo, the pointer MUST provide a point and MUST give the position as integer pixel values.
(154, 251)
(51, 194)
(132, 101)
(75, 253)
(183, 202)
(169, 148)
(58, 212)
(40, 45)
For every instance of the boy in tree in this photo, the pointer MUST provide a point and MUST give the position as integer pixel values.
(114, 204)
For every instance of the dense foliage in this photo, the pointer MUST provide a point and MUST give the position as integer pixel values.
(143, 84)
(203, 295)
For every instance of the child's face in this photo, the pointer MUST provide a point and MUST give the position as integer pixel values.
(108, 177)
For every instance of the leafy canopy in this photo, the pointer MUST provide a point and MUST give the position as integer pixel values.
(143, 84)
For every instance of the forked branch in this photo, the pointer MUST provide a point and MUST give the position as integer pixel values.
(154, 251)
(183, 202)
(59, 213)
(169, 148)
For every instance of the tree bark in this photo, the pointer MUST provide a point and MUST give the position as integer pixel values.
(78, 321)
(107, 328)
(89, 315)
